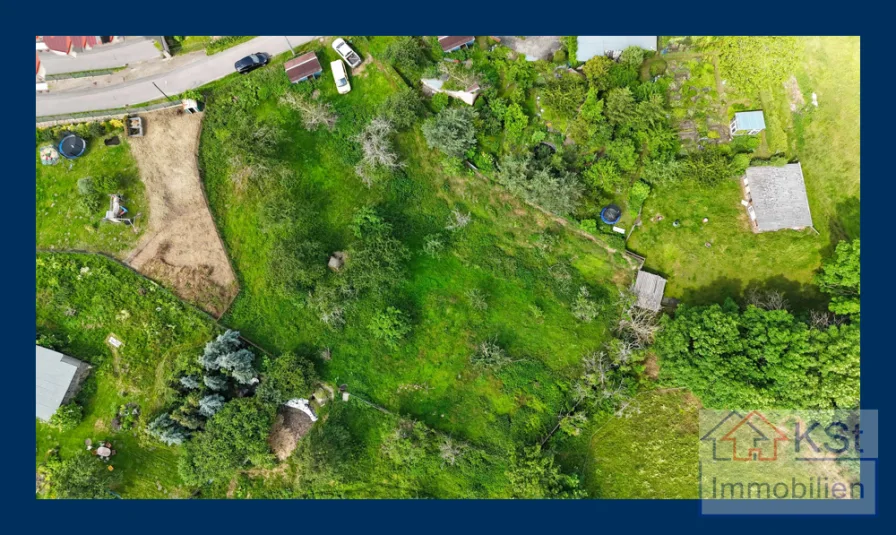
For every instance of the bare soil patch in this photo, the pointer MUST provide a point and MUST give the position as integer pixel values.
(181, 248)
(289, 427)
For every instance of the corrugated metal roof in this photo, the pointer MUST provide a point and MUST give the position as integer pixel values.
(54, 373)
(590, 46)
(779, 197)
(302, 67)
(750, 120)
(649, 290)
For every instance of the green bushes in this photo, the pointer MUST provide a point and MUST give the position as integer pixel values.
(67, 417)
(225, 42)
(405, 53)
(451, 131)
(389, 326)
(403, 108)
(637, 195)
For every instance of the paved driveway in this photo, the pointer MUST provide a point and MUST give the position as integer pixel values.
(189, 76)
(132, 50)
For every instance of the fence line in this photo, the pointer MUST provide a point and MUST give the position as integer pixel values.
(56, 120)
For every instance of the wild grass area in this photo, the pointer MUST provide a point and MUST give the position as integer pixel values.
(83, 299)
(526, 269)
(651, 453)
(66, 221)
(826, 142)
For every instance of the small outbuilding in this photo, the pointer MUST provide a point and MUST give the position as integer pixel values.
(747, 123)
(450, 43)
(303, 67)
(72, 146)
(58, 379)
(337, 260)
(775, 198)
(649, 290)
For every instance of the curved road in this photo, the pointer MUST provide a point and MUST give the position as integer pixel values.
(178, 80)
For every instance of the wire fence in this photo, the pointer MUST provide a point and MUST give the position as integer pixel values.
(56, 120)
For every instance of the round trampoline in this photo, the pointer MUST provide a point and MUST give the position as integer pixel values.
(610, 214)
(72, 146)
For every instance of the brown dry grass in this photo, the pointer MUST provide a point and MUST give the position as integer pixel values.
(181, 248)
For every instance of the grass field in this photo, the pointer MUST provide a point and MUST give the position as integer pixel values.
(81, 300)
(826, 142)
(62, 223)
(429, 377)
(649, 453)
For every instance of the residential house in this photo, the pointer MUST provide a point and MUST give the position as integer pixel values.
(303, 67)
(450, 43)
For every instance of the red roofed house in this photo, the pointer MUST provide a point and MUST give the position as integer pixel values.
(450, 43)
(303, 67)
(71, 45)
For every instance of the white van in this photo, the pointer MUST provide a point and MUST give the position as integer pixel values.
(339, 76)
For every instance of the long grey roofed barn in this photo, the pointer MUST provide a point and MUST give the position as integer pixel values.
(589, 46)
(649, 290)
(57, 380)
(779, 197)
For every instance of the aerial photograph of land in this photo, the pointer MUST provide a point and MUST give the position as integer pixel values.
(479, 267)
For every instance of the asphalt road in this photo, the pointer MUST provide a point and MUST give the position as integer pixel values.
(184, 77)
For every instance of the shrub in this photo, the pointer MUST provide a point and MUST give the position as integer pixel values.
(287, 377)
(451, 131)
(403, 108)
(390, 326)
(588, 225)
(597, 69)
(440, 101)
(108, 183)
(637, 195)
(67, 417)
(632, 57)
(405, 52)
(167, 430)
(560, 57)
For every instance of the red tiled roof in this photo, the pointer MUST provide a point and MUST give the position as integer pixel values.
(302, 67)
(38, 62)
(450, 42)
(59, 43)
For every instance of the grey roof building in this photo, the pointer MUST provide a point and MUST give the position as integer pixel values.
(589, 46)
(776, 198)
(58, 378)
(649, 290)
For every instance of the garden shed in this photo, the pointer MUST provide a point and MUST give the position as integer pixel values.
(776, 197)
(450, 43)
(747, 123)
(589, 46)
(58, 379)
(303, 67)
(649, 290)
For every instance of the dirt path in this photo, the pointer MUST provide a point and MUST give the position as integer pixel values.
(181, 247)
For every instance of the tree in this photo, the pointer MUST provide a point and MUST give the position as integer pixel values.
(239, 364)
(565, 94)
(620, 106)
(314, 113)
(215, 349)
(533, 474)
(80, 477)
(622, 152)
(297, 263)
(597, 70)
(605, 175)
(554, 190)
(390, 326)
(189, 382)
(840, 277)
(735, 359)
(226, 352)
(236, 436)
(211, 404)
(632, 57)
(289, 376)
(376, 148)
(405, 52)
(661, 171)
(451, 131)
(515, 121)
(377, 258)
(167, 430)
(403, 108)
(215, 382)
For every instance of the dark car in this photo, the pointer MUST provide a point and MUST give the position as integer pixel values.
(250, 63)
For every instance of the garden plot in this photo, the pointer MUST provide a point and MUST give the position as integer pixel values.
(181, 247)
(696, 106)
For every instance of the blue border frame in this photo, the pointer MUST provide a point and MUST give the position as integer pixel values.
(224, 17)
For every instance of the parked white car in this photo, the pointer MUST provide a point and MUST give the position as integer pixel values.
(339, 76)
(349, 55)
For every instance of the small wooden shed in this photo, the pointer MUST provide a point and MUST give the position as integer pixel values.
(649, 290)
(303, 67)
